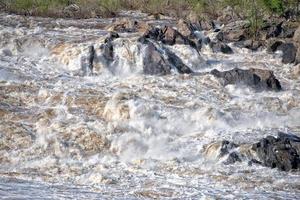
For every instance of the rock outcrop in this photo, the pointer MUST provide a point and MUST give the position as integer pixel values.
(167, 35)
(255, 78)
(220, 47)
(281, 152)
(128, 25)
(160, 60)
(289, 51)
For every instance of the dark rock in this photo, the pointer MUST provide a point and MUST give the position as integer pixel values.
(153, 61)
(273, 46)
(232, 158)
(278, 153)
(274, 31)
(255, 78)
(289, 52)
(161, 61)
(107, 49)
(87, 63)
(175, 61)
(226, 147)
(220, 47)
(167, 35)
(287, 33)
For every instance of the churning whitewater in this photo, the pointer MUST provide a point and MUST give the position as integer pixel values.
(80, 126)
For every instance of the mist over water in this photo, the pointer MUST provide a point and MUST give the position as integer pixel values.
(125, 135)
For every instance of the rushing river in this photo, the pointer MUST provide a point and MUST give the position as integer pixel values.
(124, 135)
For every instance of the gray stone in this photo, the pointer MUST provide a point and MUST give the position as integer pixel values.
(289, 52)
(255, 78)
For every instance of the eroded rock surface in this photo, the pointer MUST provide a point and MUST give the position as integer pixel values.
(255, 78)
(280, 152)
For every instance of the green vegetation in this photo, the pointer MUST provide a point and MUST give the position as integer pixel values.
(250, 9)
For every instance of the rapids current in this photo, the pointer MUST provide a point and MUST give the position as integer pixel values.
(124, 135)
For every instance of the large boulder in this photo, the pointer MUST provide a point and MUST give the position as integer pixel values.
(289, 52)
(279, 152)
(153, 61)
(255, 78)
(160, 60)
(234, 32)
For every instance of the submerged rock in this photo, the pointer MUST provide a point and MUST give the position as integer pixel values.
(223, 151)
(256, 78)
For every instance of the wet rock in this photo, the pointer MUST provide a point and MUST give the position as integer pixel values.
(153, 61)
(274, 31)
(278, 152)
(220, 47)
(107, 49)
(255, 78)
(223, 151)
(175, 61)
(167, 35)
(273, 45)
(289, 52)
(160, 61)
(281, 152)
(87, 62)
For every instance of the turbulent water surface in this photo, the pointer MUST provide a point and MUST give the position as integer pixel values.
(121, 134)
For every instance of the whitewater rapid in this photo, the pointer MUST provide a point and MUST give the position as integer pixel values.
(124, 135)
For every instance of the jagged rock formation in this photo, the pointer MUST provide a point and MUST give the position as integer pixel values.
(255, 78)
(282, 152)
